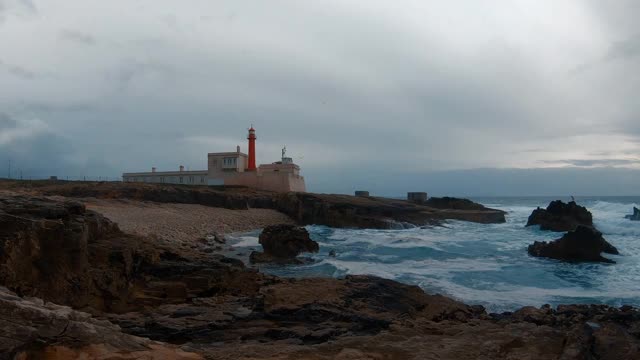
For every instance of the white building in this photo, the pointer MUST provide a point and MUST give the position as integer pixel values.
(232, 168)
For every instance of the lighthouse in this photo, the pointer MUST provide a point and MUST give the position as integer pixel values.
(232, 168)
(252, 149)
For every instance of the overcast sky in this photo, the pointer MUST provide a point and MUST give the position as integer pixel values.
(389, 95)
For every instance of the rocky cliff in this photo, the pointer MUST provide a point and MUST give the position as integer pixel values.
(60, 252)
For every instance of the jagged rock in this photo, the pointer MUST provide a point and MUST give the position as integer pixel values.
(219, 238)
(304, 311)
(559, 216)
(33, 329)
(286, 240)
(541, 316)
(44, 248)
(282, 243)
(635, 216)
(63, 253)
(582, 244)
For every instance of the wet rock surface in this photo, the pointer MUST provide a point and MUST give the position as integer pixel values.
(582, 244)
(283, 243)
(560, 216)
(148, 299)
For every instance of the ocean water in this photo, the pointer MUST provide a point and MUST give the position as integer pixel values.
(483, 264)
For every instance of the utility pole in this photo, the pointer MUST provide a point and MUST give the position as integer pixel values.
(9, 175)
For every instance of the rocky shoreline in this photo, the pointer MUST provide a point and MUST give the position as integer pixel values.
(340, 211)
(136, 296)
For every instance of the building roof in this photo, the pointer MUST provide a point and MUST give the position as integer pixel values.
(168, 173)
(230, 153)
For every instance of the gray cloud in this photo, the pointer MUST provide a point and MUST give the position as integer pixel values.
(77, 36)
(19, 71)
(29, 5)
(21, 7)
(593, 162)
(36, 150)
(355, 90)
(626, 49)
(6, 122)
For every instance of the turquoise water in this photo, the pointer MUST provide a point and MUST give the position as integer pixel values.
(484, 264)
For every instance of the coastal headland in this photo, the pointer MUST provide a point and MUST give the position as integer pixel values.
(132, 275)
(304, 208)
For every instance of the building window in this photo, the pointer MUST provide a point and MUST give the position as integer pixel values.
(180, 179)
(202, 179)
(229, 161)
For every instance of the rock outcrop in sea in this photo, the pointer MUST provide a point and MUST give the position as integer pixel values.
(635, 216)
(559, 216)
(584, 244)
(283, 243)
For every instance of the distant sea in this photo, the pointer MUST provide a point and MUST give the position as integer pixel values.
(484, 264)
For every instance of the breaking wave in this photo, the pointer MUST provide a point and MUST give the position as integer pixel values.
(485, 264)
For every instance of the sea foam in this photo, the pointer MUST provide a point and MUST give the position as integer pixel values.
(484, 264)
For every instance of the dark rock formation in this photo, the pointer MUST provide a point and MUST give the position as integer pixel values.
(217, 237)
(635, 216)
(559, 216)
(301, 311)
(582, 244)
(305, 208)
(33, 329)
(44, 247)
(373, 212)
(453, 203)
(282, 243)
(61, 252)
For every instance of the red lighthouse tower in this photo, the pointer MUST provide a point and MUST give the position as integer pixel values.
(252, 149)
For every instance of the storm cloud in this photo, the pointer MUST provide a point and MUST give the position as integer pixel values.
(371, 91)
